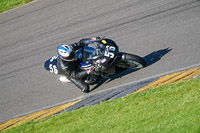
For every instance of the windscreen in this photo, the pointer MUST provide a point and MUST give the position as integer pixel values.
(93, 51)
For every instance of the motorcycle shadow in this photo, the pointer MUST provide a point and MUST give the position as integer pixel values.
(156, 56)
(150, 59)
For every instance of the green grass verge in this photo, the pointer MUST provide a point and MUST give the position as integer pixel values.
(167, 109)
(9, 4)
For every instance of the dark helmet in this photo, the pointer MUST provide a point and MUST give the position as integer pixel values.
(65, 52)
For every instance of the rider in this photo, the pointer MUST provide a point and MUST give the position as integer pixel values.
(67, 64)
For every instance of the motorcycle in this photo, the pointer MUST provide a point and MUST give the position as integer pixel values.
(104, 56)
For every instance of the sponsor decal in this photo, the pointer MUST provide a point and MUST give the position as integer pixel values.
(103, 60)
(80, 56)
(104, 41)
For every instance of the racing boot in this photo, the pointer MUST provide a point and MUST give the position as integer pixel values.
(81, 84)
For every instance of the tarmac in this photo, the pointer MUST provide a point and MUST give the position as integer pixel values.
(111, 94)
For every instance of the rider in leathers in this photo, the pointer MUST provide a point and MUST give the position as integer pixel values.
(67, 64)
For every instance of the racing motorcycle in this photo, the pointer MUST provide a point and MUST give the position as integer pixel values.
(104, 56)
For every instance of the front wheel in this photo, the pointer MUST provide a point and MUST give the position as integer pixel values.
(127, 60)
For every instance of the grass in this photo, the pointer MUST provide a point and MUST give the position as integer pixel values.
(170, 108)
(9, 4)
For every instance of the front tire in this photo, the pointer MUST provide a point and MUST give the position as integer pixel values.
(132, 61)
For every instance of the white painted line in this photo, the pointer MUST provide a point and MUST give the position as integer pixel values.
(148, 78)
(112, 88)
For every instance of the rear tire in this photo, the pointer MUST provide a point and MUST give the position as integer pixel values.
(131, 61)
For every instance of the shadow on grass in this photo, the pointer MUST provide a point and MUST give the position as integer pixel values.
(150, 59)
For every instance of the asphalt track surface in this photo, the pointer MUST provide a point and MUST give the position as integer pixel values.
(165, 33)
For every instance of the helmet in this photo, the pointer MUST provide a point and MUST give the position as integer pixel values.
(65, 52)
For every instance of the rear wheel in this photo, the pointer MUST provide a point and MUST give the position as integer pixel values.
(131, 61)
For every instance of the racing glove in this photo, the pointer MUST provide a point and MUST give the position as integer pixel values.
(82, 42)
